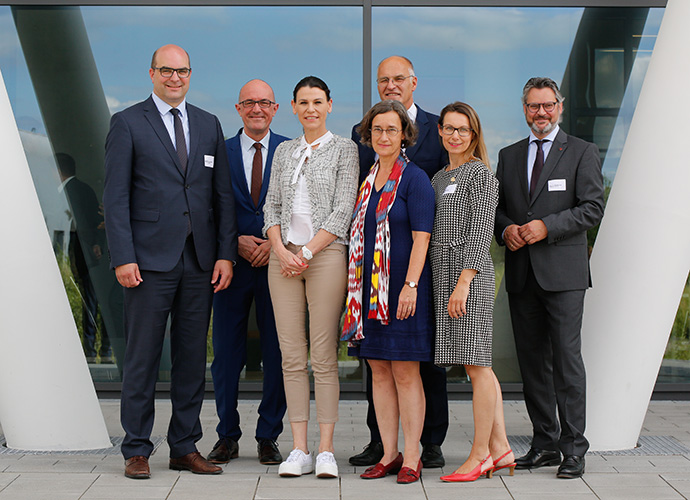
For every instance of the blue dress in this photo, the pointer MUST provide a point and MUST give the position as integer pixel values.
(411, 339)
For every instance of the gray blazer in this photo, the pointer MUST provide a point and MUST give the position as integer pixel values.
(331, 171)
(561, 261)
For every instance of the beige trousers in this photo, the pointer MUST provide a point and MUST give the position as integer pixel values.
(321, 290)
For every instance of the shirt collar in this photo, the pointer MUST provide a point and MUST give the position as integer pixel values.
(552, 135)
(412, 113)
(164, 107)
(62, 185)
(247, 143)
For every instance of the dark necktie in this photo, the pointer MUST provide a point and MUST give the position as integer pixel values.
(537, 168)
(180, 144)
(257, 163)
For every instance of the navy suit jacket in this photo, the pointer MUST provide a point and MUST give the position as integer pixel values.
(427, 153)
(568, 208)
(148, 199)
(250, 218)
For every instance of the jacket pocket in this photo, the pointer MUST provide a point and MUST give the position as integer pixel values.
(145, 215)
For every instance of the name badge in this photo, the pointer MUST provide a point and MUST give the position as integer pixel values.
(208, 161)
(557, 185)
(450, 188)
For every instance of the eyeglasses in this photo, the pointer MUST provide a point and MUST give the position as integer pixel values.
(462, 131)
(250, 103)
(548, 106)
(391, 132)
(168, 72)
(397, 80)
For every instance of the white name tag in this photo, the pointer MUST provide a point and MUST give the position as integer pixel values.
(557, 185)
(208, 161)
(450, 188)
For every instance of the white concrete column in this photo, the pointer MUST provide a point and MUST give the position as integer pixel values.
(641, 257)
(47, 398)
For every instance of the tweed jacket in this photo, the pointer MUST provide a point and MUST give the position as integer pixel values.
(331, 172)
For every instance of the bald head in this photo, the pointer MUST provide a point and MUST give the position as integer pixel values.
(396, 80)
(166, 48)
(254, 95)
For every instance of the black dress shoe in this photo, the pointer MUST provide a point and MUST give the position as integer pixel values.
(224, 451)
(573, 466)
(536, 458)
(268, 452)
(372, 454)
(432, 456)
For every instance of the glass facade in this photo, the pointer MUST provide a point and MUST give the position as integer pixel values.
(67, 69)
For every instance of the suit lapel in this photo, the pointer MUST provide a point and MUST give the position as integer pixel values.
(272, 145)
(193, 137)
(154, 118)
(521, 160)
(557, 149)
(423, 126)
(239, 178)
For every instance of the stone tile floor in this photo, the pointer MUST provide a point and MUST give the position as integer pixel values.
(91, 477)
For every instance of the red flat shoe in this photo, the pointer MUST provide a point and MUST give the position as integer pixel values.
(379, 470)
(509, 466)
(475, 474)
(408, 475)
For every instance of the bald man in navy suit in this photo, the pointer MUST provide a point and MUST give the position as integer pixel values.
(172, 236)
(257, 107)
(396, 80)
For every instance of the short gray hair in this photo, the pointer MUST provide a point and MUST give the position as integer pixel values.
(541, 82)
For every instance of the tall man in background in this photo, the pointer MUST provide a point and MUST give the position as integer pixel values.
(172, 236)
(250, 154)
(550, 193)
(396, 80)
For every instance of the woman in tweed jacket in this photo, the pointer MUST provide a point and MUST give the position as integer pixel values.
(464, 286)
(307, 218)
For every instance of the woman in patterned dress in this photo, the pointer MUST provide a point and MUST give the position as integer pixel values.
(389, 316)
(464, 287)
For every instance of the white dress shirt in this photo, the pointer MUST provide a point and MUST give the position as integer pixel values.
(169, 119)
(248, 152)
(532, 151)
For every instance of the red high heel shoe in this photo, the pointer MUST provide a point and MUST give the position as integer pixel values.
(379, 470)
(509, 466)
(409, 475)
(475, 474)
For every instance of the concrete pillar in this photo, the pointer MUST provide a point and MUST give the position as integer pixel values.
(47, 398)
(641, 257)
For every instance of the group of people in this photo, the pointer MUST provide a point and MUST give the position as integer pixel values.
(392, 227)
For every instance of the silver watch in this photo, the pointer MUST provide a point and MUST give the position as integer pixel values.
(306, 253)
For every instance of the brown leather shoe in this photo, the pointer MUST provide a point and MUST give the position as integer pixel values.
(195, 463)
(137, 467)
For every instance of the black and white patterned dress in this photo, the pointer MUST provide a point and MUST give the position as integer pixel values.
(466, 200)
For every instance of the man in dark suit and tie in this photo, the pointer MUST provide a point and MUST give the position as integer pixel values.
(551, 192)
(250, 154)
(396, 80)
(169, 213)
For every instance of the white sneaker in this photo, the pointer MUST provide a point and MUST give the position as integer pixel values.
(297, 463)
(326, 465)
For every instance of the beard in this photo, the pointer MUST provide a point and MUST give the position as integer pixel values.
(548, 128)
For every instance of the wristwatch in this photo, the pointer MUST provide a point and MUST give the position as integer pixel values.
(412, 284)
(306, 253)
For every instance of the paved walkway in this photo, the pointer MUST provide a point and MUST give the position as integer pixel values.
(100, 476)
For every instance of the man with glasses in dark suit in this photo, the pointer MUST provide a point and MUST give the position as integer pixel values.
(550, 193)
(250, 154)
(170, 222)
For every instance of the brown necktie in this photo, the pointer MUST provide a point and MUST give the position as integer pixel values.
(180, 144)
(537, 168)
(257, 163)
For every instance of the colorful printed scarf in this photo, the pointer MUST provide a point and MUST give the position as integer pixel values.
(380, 272)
